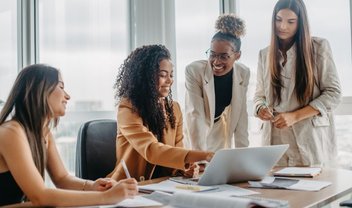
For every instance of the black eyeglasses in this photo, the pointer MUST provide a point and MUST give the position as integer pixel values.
(223, 57)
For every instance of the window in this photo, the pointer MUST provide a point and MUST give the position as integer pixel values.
(193, 35)
(8, 47)
(87, 41)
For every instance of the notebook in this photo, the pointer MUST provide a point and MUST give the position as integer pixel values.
(241, 164)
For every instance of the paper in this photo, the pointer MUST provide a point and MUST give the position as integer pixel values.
(137, 201)
(203, 200)
(173, 187)
(287, 183)
(298, 172)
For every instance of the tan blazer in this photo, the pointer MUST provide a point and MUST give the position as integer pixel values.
(200, 107)
(315, 136)
(140, 148)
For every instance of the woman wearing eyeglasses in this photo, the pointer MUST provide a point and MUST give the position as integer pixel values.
(216, 111)
(297, 89)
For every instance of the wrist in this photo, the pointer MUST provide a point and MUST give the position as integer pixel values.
(84, 187)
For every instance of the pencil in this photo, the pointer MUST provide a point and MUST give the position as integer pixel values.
(124, 166)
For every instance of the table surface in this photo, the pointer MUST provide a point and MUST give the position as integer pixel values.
(341, 185)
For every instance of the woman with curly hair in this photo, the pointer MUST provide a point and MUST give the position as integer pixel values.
(297, 89)
(27, 148)
(150, 137)
(216, 110)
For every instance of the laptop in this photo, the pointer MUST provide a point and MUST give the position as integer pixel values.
(241, 164)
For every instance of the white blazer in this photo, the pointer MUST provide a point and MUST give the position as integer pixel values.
(200, 108)
(315, 136)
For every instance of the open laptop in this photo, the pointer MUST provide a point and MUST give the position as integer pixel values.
(241, 164)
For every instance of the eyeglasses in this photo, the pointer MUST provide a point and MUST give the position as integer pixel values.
(223, 57)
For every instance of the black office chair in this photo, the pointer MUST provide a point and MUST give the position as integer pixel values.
(96, 149)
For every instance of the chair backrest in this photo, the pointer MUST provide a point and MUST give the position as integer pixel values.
(96, 149)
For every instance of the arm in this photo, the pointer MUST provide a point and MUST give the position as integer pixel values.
(241, 130)
(62, 179)
(30, 181)
(195, 111)
(283, 120)
(259, 95)
(327, 78)
(145, 143)
(179, 126)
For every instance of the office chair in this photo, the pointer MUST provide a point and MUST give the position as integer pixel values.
(96, 149)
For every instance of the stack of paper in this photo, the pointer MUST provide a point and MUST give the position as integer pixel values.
(170, 186)
(190, 200)
(298, 172)
(287, 183)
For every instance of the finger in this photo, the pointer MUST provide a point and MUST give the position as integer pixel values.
(131, 187)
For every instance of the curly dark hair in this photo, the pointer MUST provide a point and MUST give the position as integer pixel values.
(137, 81)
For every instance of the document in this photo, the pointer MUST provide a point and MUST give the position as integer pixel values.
(288, 183)
(184, 200)
(171, 186)
(298, 172)
(137, 201)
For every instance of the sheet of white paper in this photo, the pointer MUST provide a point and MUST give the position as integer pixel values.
(229, 190)
(191, 200)
(137, 201)
(174, 187)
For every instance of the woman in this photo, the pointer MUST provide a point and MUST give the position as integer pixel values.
(216, 110)
(150, 137)
(27, 148)
(297, 89)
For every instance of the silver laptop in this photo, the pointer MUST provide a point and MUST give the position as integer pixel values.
(241, 164)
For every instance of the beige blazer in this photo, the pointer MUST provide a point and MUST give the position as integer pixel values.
(140, 148)
(200, 106)
(315, 136)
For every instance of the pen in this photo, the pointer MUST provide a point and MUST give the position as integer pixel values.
(269, 110)
(124, 166)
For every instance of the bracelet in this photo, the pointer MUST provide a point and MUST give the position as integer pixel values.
(84, 184)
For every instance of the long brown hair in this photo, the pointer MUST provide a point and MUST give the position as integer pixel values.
(28, 103)
(304, 76)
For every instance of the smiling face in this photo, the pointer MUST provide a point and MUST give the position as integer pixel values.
(286, 25)
(222, 57)
(165, 77)
(58, 98)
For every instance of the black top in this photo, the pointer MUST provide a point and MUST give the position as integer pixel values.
(10, 193)
(223, 92)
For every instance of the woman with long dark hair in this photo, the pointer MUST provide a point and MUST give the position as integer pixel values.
(27, 148)
(297, 89)
(150, 137)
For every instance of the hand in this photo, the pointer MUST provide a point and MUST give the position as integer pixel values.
(265, 113)
(209, 156)
(123, 189)
(192, 171)
(102, 184)
(284, 120)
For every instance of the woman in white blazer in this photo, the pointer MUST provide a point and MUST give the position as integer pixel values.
(297, 89)
(216, 111)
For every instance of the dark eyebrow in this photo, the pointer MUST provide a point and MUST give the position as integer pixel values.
(63, 84)
(163, 70)
(219, 53)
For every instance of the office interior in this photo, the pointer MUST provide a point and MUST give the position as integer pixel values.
(89, 39)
